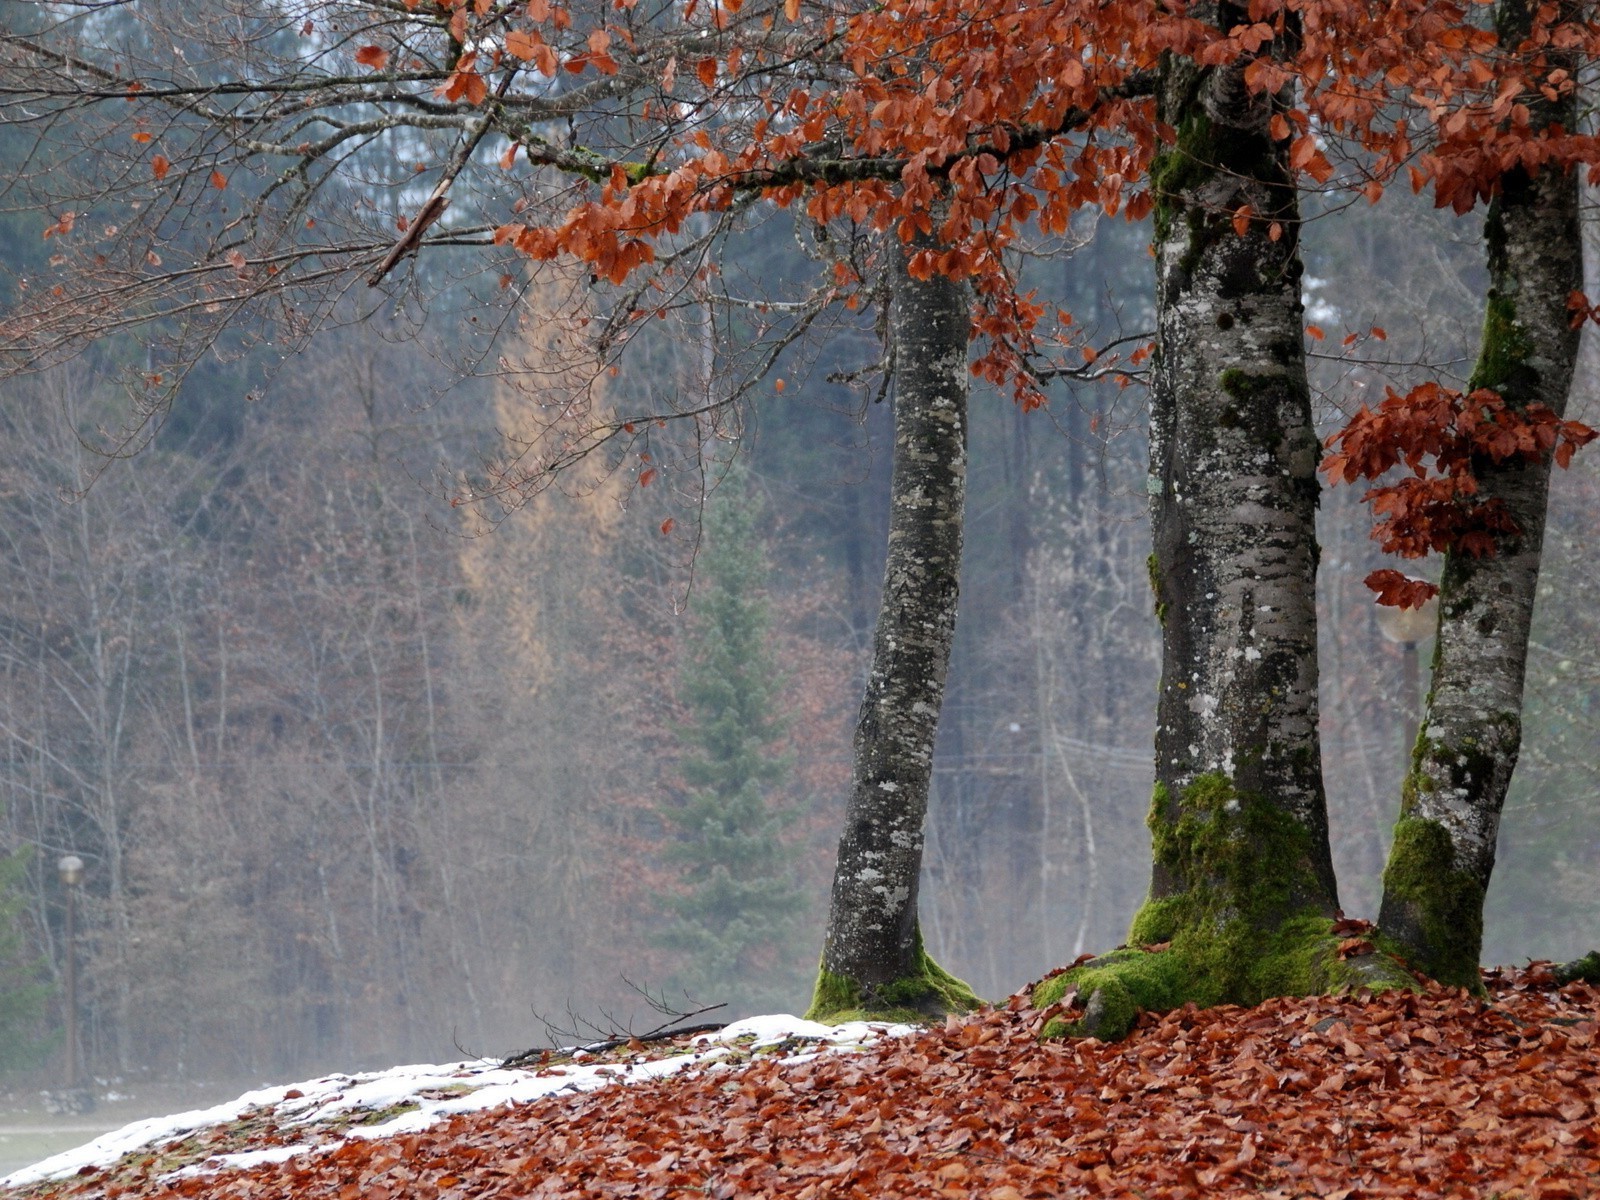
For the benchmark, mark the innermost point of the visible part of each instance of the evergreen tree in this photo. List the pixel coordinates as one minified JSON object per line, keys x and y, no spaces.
{"x":23,"y":994}
{"x":735,"y":920}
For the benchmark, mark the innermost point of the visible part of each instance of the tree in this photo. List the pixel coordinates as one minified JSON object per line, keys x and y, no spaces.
{"x":1508,"y":432}
{"x":1242,"y":890}
{"x":873,"y":957}
{"x":739,"y":911}
{"x":1445,"y":840}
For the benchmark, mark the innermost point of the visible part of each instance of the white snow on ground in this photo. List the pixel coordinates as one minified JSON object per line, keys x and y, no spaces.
{"x":453,"y":1088}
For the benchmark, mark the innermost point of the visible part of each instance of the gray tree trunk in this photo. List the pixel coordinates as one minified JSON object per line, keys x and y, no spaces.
{"x":1444,"y":843}
{"x":1233,"y":502}
{"x":872,"y":959}
{"x":1242,"y":892}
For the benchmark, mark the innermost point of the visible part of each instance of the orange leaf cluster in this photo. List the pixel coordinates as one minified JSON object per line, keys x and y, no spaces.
{"x":464,"y":82}
{"x":1441,"y":436}
{"x":1432,"y":1094}
{"x":1398,"y":590}
{"x":974,"y":121}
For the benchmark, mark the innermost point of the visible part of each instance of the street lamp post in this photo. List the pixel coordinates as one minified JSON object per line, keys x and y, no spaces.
{"x":70,"y":868}
{"x":1409,"y":627}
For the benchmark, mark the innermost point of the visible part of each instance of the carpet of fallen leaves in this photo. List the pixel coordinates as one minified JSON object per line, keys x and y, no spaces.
{"x":1430,"y":1094}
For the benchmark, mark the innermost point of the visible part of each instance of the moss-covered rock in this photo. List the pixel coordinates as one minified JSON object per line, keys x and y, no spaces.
{"x":1302,"y":958}
{"x":924,"y":993}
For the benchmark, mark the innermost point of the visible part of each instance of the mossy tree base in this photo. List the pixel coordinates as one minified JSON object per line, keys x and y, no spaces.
{"x":928,"y":992}
{"x":1302,"y":958}
{"x":872,"y":960}
{"x":1585,"y":969}
{"x":1242,"y":916}
{"x":1431,"y":905}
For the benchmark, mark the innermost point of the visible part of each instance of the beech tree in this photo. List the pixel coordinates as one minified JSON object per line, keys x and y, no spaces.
{"x":1243,"y":902}
{"x":1482,"y":501}
{"x":1243,"y":888}
{"x":873,"y":957}
{"x":1444,"y":842}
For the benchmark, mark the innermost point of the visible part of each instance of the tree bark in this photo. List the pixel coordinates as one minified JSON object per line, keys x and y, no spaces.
{"x":873,"y":960}
{"x":1444,"y":843}
{"x":1242,"y":894}
{"x":1233,"y":481}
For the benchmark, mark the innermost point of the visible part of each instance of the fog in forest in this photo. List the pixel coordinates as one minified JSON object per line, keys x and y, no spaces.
{"x":362,"y":774}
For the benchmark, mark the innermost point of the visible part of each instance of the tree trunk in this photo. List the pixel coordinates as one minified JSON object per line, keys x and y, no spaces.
{"x":1242,"y":893}
{"x":872,"y":959}
{"x":1444,"y":843}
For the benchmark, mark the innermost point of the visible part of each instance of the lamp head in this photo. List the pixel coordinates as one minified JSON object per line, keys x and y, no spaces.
{"x":1408,"y":626}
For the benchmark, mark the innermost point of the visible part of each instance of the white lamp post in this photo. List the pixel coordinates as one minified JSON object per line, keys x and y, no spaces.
{"x":1409,"y":627}
{"x":70,"y":869}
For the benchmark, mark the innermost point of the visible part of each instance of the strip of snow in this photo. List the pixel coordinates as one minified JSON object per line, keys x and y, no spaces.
{"x":455,"y":1087}
{"x":246,"y":1158}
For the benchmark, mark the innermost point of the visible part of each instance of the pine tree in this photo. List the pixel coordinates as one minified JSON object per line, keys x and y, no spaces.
{"x":735,"y":922}
{"x":23,"y":993}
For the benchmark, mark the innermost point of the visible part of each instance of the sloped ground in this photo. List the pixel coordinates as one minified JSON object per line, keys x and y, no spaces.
{"x":1423,"y":1095}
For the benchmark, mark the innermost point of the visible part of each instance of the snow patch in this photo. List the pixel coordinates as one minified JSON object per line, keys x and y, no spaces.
{"x":438,"y":1091}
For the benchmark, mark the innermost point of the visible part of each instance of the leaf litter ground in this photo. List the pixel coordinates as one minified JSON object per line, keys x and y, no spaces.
{"x":1436,"y":1093}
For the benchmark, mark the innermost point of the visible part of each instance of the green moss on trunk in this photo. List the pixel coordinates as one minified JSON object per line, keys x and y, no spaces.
{"x":1431,"y":907}
{"x":1236,"y":857}
{"x":927,"y":991}
{"x":1244,"y":922}
{"x":1154,"y":565}
{"x":1300,"y":958}
{"x":1180,"y":168}
{"x":1504,"y":354}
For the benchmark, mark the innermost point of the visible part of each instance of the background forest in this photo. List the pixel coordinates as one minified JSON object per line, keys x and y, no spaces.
{"x":361,"y":775}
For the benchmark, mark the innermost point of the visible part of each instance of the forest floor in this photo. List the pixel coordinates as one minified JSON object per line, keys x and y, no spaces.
{"x":1435,"y":1093}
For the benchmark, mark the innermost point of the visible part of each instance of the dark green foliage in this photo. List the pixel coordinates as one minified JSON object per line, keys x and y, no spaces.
{"x":737,"y":918}
{"x":23,"y":994}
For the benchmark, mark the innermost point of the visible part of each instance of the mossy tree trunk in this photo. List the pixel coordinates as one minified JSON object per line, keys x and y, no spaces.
{"x":1242,"y":893}
{"x":1233,"y":479}
{"x":1444,"y":843}
{"x":873,"y":960}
